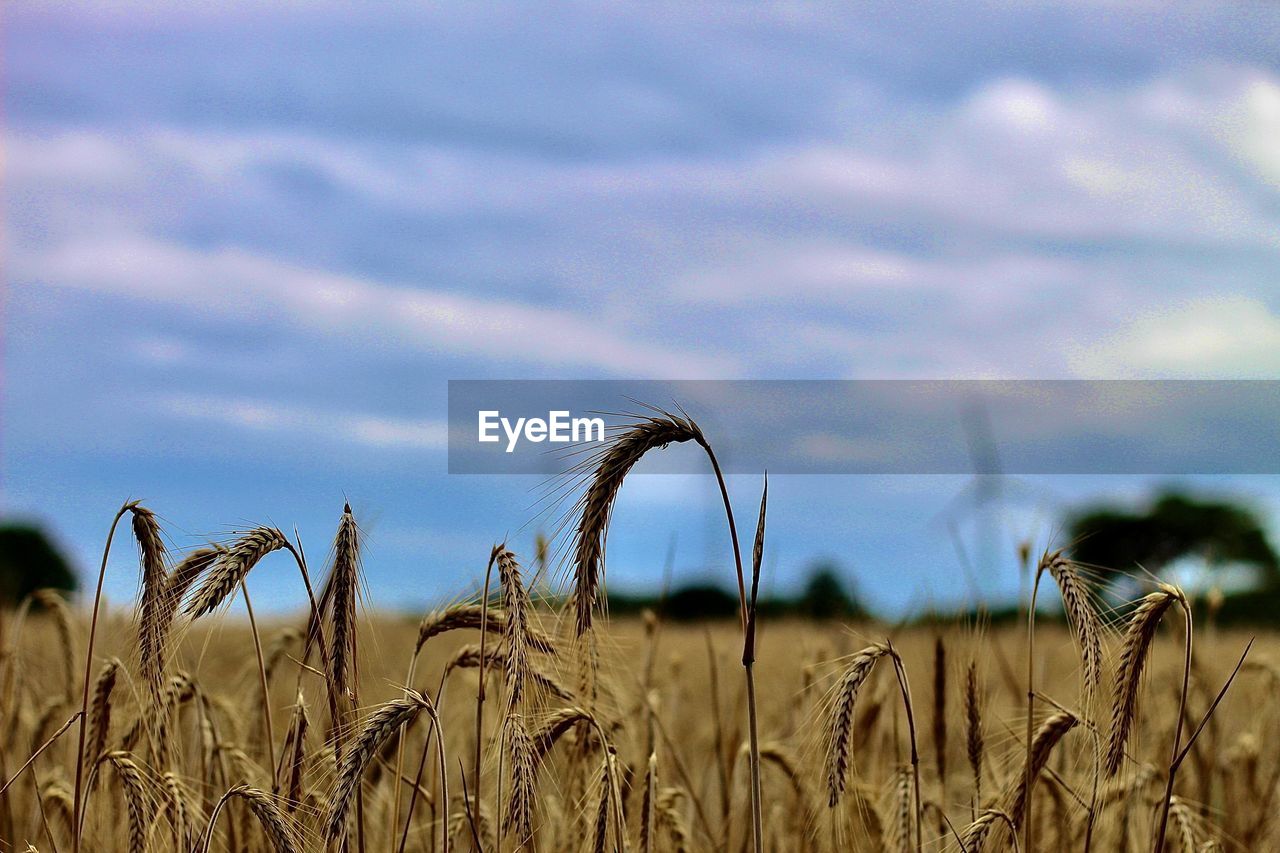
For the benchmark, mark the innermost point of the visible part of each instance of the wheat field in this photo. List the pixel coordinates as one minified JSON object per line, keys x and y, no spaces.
{"x":523,"y":717}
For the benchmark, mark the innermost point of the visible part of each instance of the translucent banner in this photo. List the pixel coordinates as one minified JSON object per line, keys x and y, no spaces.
{"x":1153,"y":427}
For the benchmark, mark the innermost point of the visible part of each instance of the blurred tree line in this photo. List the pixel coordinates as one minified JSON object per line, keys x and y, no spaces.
{"x":826,"y":594}
{"x":1119,"y":544}
{"x":1116,"y":541}
{"x":29,"y":561}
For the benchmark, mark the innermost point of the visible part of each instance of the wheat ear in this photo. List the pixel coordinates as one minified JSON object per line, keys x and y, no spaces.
{"x":273,"y":822}
{"x":515,"y":601}
{"x":131,"y":782}
{"x":1138,"y":636}
{"x":523,"y":796}
{"x":1047,"y":736}
{"x":378,"y":727}
{"x":146,"y":529}
{"x":100,"y":709}
{"x":56,"y":605}
{"x":230,"y":568}
{"x":345,"y":577}
{"x":973,"y":727}
{"x":840,"y":718}
{"x":471,"y":617}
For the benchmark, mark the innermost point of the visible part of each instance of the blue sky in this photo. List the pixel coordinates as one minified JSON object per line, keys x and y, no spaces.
{"x":247,"y":244}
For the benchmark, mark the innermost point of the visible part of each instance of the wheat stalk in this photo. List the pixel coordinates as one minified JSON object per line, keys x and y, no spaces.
{"x":178,"y":799}
{"x":468,"y":657}
{"x":56,"y":605}
{"x":975,"y":834}
{"x":471,"y":617}
{"x":295,"y":752}
{"x":939,"y":729}
{"x":515,"y":601}
{"x":1082,"y":617}
{"x":669,"y":816}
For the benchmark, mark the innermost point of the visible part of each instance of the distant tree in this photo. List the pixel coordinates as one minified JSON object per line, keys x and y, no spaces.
{"x":700,"y":601}
{"x":825,"y":596}
{"x":1176,"y":525}
{"x":30,"y":561}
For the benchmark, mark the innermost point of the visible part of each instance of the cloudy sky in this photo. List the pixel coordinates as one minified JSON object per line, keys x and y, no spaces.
{"x":247,"y":244}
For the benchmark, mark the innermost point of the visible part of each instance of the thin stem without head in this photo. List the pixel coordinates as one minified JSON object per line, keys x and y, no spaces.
{"x":1175,"y":757}
{"x":484,"y":625}
{"x":901,"y":673}
{"x":266,"y":692}
{"x":88,"y":674}
{"x":757,"y":824}
{"x":1027,"y":837}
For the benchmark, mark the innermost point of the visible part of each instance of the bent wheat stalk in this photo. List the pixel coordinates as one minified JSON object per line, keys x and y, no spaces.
{"x":612,"y":464}
{"x":1138,"y":638}
{"x":1086,"y":630}
{"x":380,"y":726}
{"x":274,"y":824}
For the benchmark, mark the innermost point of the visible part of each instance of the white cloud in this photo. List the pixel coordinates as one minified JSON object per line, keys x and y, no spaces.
{"x":1032,"y":212}
{"x":1229,"y":337}
{"x":1253,"y":127}
{"x":239,"y":286}
{"x":370,"y":430}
